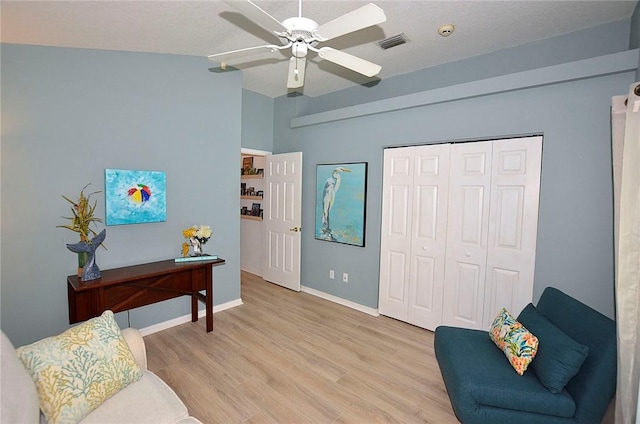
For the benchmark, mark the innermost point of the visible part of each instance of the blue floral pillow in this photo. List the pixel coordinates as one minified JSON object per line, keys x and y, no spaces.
{"x":79,"y":369}
{"x":517,"y":343}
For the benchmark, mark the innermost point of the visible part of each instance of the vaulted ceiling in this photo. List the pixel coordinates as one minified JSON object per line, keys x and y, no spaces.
{"x":202,"y":28}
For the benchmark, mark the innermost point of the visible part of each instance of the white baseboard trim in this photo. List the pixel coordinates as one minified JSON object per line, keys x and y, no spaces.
{"x":340,"y":301}
{"x":250,"y":270}
{"x":187,"y":318}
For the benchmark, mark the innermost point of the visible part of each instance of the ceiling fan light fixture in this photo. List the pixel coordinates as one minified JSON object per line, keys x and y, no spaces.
{"x":299,"y":49}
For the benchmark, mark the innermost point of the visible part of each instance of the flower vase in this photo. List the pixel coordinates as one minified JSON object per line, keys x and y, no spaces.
{"x":198,"y":247}
{"x":83,"y":257}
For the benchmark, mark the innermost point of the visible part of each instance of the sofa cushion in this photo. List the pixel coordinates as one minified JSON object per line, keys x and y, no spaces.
{"x":149,"y":400}
{"x":483,"y":383}
{"x":79,"y":369}
{"x":559,"y":357}
{"x":595,"y":384}
{"x":517,"y":343}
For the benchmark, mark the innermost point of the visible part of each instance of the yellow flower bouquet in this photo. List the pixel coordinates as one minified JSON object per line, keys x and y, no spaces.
{"x":197,"y":235}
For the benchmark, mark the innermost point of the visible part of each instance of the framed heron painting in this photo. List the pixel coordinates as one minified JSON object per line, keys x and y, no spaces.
{"x":135,"y":197}
{"x":341,"y":198}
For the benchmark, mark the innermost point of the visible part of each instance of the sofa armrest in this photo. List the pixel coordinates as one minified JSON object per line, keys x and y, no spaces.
{"x":18,"y":396}
{"x":135,"y":341}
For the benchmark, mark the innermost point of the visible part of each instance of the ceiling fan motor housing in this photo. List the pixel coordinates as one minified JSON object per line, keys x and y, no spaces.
{"x":301,"y":29}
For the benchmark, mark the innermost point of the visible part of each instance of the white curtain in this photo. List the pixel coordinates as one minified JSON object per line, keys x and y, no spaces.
{"x":626,"y":176}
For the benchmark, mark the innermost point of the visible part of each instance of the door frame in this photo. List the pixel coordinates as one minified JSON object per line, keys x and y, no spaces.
{"x":261,"y":153}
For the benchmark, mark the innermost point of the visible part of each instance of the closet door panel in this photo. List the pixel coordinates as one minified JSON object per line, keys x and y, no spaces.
{"x":513,"y":227}
{"x":397,"y":265}
{"x":468,"y":279}
{"x":428,"y":244}
{"x":502,"y":292}
{"x":397,"y":228}
{"x":466,"y":254}
{"x":459,"y":227}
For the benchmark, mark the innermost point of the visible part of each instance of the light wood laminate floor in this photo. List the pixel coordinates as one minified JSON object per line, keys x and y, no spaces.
{"x":287,"y":357}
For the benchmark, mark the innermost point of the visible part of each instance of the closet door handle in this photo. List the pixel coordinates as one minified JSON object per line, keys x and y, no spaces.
{"x":295,"y":229}
{"x":468,"y":254}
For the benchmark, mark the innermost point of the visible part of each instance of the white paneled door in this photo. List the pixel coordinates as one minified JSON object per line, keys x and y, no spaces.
{"x":397,"y":230}
{"x":459,"y":226}
{"x":467,"y":228}
{"x":513,"y":225}
{"x":282,"y":219}
{"x":414,"y":221}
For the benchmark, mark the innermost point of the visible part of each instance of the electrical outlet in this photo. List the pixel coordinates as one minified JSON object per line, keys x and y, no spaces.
{"x":331,"y":274}
{"x":345,"y":277}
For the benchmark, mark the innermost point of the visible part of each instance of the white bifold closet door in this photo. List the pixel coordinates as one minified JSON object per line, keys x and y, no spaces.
{"x":459,"y":225}
{"x":414,"y":228}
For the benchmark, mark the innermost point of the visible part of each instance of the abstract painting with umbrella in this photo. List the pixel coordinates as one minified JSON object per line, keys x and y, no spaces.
{"x":135,"y":197}
{"x":340,"y":202}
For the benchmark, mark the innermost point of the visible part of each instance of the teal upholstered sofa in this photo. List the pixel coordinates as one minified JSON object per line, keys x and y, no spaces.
{"x":484,"y":388}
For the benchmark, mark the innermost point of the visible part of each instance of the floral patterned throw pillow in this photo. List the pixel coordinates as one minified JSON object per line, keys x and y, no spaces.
{"x":79,"y":369}
{"x":517,"y":343}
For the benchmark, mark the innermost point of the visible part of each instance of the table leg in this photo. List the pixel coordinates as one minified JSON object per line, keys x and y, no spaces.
{"x":209,"y":299}
{"x":194,"y":309}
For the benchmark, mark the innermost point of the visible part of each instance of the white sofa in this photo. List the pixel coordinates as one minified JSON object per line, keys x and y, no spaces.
{"x":148,"y":400}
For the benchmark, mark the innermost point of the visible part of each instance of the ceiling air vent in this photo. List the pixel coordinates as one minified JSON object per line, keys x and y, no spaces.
{"x":393,"y":41}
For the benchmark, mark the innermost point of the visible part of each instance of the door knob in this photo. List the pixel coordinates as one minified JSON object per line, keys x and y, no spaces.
{"x":468,"y":255}
{"x":295,"y":229}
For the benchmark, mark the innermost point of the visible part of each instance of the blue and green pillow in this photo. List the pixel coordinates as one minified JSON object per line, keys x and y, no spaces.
{"x":79,"y":369}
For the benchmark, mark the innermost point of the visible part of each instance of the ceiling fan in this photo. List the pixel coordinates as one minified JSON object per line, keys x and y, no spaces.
{"x":302,"y":35}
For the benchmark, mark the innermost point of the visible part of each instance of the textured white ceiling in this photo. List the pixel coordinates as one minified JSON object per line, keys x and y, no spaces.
{"x":205,"y":27}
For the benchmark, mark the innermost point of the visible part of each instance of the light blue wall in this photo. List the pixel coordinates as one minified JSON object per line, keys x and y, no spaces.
{"x":257,"y":121}
{"x":634,"y":38}
{"x":596,"y":41}
{"x":67,"y":114}
{"x":574,"y":251}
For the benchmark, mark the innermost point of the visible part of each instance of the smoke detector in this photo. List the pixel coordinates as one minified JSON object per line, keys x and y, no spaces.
{"x":446,"y":30}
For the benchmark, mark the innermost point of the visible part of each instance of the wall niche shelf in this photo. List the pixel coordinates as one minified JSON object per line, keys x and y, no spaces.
{"x":252,"y":182}
{"x":251,"y":217}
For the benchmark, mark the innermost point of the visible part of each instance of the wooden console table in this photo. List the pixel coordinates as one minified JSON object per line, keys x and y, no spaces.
{"x":120,"y":289}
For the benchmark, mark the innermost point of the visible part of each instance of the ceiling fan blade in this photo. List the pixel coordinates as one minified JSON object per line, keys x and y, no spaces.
{"x":233,"y":54}
{"x":358,"y":19}
{"x":259,"y":16}
{"x":297,"y":66}
{"x":349,"y":61}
